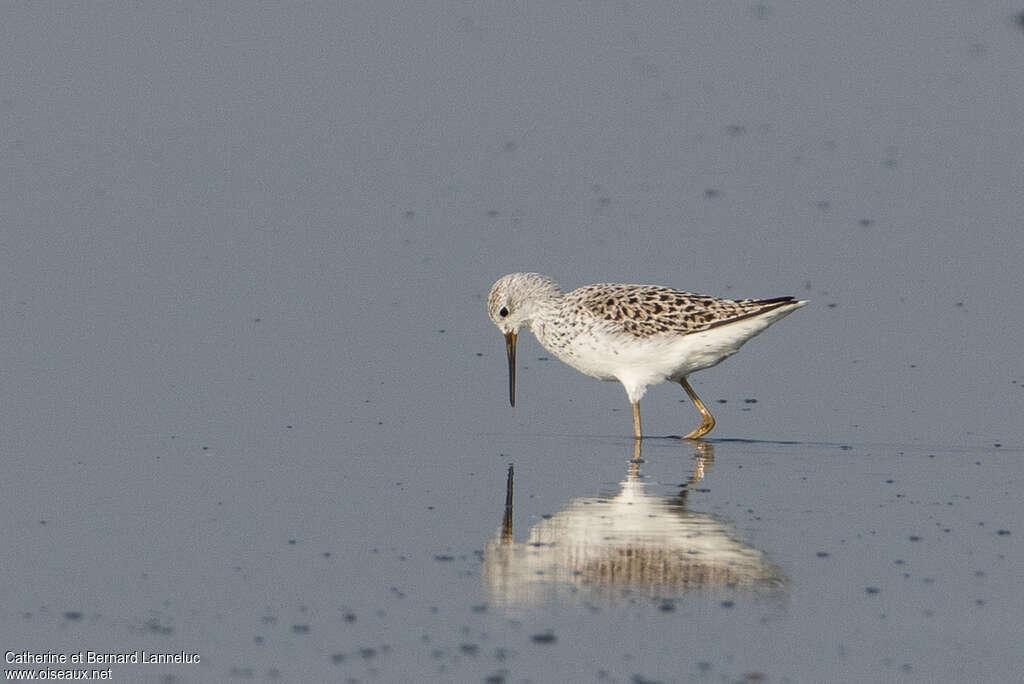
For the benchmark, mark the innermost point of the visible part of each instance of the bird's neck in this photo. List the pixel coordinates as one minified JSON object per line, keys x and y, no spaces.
{"x":543,"y":322}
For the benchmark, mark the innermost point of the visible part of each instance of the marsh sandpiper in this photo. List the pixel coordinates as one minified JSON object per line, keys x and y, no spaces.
{"x":640,"y":335}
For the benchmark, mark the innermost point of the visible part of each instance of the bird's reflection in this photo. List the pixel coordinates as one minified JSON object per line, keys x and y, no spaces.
{"x":624,"y":544}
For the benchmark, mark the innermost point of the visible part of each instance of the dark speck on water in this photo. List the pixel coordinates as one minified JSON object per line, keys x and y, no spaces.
{"x":544,"y":638}
{"x":154,"y":626}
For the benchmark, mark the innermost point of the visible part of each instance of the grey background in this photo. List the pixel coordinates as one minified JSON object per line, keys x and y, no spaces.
{"x":249,"y":383}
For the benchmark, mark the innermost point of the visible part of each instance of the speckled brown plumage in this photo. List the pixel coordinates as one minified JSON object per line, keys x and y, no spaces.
{"x":645,"y":310}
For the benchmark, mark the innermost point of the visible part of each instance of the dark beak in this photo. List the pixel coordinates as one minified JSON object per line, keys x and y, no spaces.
{"x":510,"y":347}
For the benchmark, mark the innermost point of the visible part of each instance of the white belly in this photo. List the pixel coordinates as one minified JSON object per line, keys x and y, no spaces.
{"x":638,"y":362}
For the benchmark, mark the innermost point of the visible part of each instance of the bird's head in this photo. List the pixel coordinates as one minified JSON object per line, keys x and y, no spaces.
{"x":512,"y":304}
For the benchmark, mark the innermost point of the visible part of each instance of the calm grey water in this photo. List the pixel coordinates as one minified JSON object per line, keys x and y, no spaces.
{"x":253,"y":408}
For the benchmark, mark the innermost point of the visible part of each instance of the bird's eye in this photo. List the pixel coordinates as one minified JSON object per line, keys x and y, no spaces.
{"x":503,"y":312}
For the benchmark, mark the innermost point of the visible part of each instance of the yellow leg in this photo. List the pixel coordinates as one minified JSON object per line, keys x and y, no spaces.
{"x":707,"y":422}
{"x":636,"y":421}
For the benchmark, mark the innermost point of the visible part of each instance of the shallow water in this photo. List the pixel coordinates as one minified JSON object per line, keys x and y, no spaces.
{"x":711,"y":562}
{"x":254,"y":409}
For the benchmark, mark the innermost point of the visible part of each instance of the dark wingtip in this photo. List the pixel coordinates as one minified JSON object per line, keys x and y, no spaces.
{"x":764,"y":306}
{"x":777,"y":300}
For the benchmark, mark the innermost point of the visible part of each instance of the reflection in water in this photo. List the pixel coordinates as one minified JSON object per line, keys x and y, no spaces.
{"x":625,"y":544}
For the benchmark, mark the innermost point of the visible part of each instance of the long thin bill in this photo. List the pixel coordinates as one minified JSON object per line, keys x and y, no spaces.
{"x":510,"y":347}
